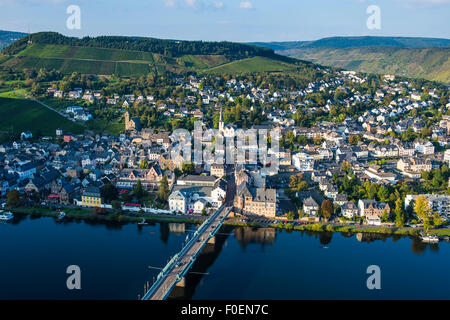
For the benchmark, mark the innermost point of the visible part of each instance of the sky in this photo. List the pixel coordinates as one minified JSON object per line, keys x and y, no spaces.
{"x":230,"y":20}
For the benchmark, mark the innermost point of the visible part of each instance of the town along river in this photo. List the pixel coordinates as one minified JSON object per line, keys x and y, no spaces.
{"x":244,"y":263}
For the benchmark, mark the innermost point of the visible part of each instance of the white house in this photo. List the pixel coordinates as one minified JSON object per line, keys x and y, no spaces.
{"x":424,"y":147}
{"x":303,"y":161}
{"x":178,"y":202}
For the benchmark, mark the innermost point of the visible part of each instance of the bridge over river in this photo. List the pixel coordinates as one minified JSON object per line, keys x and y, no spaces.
{"x":174,"y":272}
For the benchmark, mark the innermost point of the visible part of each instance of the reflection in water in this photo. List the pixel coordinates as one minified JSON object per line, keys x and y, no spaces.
{"x":134,"y":248}
{"x":200,"y":267}
{"x":164,"y":232}
{"x":419,"y":247}
{"x":247,"y":235}
{"x":177,"y":228}
{"x":325,"y":237}
{"x":369,"y":237}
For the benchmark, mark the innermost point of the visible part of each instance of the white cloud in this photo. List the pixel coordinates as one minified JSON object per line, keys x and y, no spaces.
{"x":425,"y":1}
{"x":246,"y":5}
{"x":170,"y":3}
{"x":30,"y":2}
{"x":218,"y":4}
{"x":195,"y":4}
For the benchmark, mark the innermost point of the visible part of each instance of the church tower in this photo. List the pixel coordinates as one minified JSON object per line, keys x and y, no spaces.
{"x":221,"y":123}
{"x":127,"y":121}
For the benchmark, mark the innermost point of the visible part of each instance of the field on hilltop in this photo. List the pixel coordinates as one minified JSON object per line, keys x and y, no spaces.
{"x":131,"y":56}
{"x":20,"y":115}
{"x":256,"y":64}
{"x":83,"y":60}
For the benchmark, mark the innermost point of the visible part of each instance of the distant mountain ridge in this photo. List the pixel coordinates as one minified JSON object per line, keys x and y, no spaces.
{"x":427,"y":58}
{"x":357,"y":42}
{"x":8,"y":37}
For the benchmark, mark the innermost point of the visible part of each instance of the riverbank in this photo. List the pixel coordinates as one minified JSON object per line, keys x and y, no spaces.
{"x":363,"y":229}
{"x":88,"y":214}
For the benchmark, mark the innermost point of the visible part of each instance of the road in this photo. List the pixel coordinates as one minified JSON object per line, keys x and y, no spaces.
{"x":178,"y":265}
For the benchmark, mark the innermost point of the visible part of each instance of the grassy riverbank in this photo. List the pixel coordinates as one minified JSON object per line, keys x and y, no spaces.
{"x":123,"y":217}
{"x":89,"y":215}
{"x":352,"y":229}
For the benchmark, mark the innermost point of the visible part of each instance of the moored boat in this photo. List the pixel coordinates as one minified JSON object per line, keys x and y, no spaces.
{"x":61,"y":215}
{"x":429,"y":238}
{"x":142,"y":223}
{"x":6,"y":216}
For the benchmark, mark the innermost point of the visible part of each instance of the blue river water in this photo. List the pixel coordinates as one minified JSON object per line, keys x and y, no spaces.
{"x":244,"y":263}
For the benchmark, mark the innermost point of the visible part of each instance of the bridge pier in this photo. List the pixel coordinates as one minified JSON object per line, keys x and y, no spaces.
{"x":181,"y":283}
{"x":212,"y":240}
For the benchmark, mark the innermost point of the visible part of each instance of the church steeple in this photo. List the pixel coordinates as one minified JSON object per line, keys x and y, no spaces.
{"x":221,"y":123}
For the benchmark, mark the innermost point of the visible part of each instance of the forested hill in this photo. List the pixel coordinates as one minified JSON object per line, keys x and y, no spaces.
{"x":427,"y":58}
{"x":358,"y":42}
{"x":171,"y":48}
{"x":8,"y":37}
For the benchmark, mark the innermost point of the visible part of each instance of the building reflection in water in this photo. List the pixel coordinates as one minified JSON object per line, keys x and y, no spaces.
{"x":177,"y":228}
{"x":247,"y":235}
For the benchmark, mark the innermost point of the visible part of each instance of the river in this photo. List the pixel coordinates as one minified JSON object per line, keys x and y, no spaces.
{"x":244,"y":263}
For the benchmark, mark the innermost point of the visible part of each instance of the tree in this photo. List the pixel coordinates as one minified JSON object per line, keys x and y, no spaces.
{"x":139,"y":191}
{"x":188,"y":168}
{"x":385,"y":216}
{"x":295,"y":180}
{"x":13,"y":197}
{"x":116,"y":205}
{"x":383,"y":193}
{"x":423,"y":211}
{"x":326,"y":209}
{"x":398,"y":212}
{"x":109,"y":192}
{"x":291,"y":215}
{"x":163,"y":192}
{"x":437,"y":219}
{"x":143,"y":164}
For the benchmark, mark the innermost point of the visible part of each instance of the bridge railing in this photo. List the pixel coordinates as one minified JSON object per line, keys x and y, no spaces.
{"x":160,"y":278}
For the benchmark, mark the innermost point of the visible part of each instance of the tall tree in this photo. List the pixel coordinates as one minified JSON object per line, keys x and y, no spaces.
{"x":423,"y":211}
{"x":326,"y":209}
{"x":13,"y":197}
{"x":139,"y":191}
{"x":109,"y":192}
{"x":398,"y":212}
{"x":163,"y":192}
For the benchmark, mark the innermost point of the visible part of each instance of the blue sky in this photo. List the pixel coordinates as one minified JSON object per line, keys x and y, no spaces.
{"x":233,"y":20}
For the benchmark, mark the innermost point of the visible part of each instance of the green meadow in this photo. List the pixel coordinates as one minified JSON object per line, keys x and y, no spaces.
{"x":255,"y":64}
{"x":21,"y":115}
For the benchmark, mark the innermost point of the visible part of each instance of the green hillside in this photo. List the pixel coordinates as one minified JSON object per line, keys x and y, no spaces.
{"x":413,"y":57}
{"x":131,"y":58}
{"x":104,"y":61}
{"x":427,"y":63}
{"x":22,"y":115}
{"x":256,"y":64}
{"x":82,"y":60}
